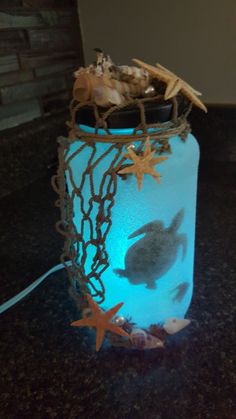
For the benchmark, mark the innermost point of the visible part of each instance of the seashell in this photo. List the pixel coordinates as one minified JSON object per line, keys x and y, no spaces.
{"x":153,"y":342}
{"x":143,"y":340}
{"x":104,"y":90}
{"x":133,"y":75}
{"x":106,"y":96}
{"x":174,"y":325}
{"x":138,"y":338}
{"x":84,"y":85}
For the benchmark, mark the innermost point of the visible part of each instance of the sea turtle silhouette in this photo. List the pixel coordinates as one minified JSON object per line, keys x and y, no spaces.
{"x":154,"y":254}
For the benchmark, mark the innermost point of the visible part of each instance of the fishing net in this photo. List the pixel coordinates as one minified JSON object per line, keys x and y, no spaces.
{"x":96,"y":213}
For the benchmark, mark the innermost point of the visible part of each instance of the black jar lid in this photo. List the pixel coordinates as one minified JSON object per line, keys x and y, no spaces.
{"x":156,"y":112}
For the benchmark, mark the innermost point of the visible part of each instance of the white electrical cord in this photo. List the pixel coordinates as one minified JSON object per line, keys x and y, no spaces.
{"x":18,"y":297}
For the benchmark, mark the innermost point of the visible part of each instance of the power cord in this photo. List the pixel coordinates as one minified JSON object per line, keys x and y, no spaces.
{"x":18,"y":297}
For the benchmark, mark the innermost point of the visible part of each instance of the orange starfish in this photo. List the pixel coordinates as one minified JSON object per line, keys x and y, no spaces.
{"x":143,"y":164}
{"x":174,"y":83}
{"x":101,"y":321}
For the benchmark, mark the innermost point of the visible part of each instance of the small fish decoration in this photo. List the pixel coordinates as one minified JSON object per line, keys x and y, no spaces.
{"x":180,"y":292}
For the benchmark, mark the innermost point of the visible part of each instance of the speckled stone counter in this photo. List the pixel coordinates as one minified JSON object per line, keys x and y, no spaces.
{"x":50,"y":370}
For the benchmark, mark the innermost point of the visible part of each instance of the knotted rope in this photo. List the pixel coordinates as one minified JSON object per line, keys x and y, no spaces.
{"x":94,"y":229}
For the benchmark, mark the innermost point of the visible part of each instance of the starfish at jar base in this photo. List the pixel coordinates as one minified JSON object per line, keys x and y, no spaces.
{"x":101,"y":321}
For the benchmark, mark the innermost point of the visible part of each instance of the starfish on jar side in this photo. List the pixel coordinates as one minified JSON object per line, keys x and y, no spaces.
{"x":100,"y":320}
{"x":174,"y":83}
{"x":143,"y":164}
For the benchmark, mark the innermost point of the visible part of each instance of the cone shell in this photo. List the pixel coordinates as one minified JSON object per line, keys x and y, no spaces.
{"x":174,"y":325}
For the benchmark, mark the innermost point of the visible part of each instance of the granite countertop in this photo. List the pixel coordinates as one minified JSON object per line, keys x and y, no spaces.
{"x":50,"y":370}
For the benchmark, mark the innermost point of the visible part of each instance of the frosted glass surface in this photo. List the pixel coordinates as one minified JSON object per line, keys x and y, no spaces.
{"x":157,"y":280}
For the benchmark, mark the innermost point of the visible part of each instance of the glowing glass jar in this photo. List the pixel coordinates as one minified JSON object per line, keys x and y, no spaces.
{"x":151,"y":240}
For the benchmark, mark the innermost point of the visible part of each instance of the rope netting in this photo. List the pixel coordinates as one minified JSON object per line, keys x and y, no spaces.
{"x":92,"y":205}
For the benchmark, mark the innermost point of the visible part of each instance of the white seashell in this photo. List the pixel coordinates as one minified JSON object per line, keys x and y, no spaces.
{"x":105,"y":96}
{"x":153,"y":342}
{"x":115,"y":97}
{"x":174,"y":325}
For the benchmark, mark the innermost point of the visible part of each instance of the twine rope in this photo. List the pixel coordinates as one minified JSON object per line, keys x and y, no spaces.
{"x":77,"y":245}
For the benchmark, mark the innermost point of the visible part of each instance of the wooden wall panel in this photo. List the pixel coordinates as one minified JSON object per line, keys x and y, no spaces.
{"x":41,"y":18}
{"x":36,"y":60}
{"x":48,"y":3}
{"x":8,"y":63}
{"x":32,"y":89}
{"x":7,"y":79}
{"x":59,"y":67}
{"x":40,"y":48}
{"x":18,"y":113}
{"x":50,"y":38}
{"x":13,"y":40}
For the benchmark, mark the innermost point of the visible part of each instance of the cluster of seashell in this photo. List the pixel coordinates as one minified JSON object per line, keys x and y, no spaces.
{"x":107,"y":84}
{"x":154,"y":337}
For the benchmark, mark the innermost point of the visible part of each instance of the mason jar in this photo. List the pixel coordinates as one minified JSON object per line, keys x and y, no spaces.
{"x":149,"y":232}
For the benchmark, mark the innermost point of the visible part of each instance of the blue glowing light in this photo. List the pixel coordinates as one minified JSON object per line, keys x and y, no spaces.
{"x":164,"y":252}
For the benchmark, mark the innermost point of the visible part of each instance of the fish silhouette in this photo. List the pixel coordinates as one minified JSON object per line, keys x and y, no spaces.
{"x":153,"y":255}
{"x":180,"y":292}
